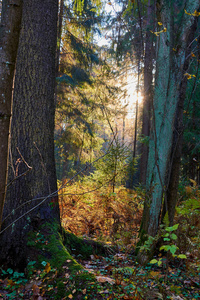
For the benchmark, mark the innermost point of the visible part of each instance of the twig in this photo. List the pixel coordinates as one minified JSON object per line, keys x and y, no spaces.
{"x":23,"y":174}
{"x":52,"y":194}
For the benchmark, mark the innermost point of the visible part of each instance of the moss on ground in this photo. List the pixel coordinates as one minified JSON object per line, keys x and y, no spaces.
{"x":81,"y":247}
{"x":61,"y":274}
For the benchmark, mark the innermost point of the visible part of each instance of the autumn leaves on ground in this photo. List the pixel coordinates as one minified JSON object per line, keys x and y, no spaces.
{"x":100,"y":231}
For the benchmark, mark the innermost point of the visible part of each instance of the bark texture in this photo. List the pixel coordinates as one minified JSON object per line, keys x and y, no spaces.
{"x":169,"y":70}
{"x":176,"y":151}
{"x":9,"y":38}
{"x":32,"y":165}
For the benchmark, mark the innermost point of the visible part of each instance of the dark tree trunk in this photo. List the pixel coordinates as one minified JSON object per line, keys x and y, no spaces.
{"x":32,"y":131}
{"x":9,"y":38}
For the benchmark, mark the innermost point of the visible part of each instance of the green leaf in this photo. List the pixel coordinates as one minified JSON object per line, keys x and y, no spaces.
{"x":174,"y":236}
{"x":173,"y":249}
{"x":165,"y":247}
{"x":153,"y":261}
{"x":166,"y":235}
{"x":166,"y":239}
{"x":182,"y":256}
{"x":173,"y":228}
{"x":159,"y":262}
{"x":93,"y":9}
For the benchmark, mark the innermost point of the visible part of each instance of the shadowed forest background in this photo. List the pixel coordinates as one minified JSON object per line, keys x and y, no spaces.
{"x":100,"y":149}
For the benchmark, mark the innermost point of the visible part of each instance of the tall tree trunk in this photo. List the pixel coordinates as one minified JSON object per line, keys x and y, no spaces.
{"x":176,"y":151}
{"x":32,"y":131}
{"x":148,"y":94}
{"x":9,"y":38}
{"x":59,"y":35}
{"x":168,"y":77}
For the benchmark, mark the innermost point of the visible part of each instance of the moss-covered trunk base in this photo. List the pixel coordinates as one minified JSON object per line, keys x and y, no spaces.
{"x":52,"y":271}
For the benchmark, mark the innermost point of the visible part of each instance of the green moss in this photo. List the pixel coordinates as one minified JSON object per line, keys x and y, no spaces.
{"x":76,"y":245}
{"x":46,"y":246}
{"x":49,"y":247}
{"x":61,"y":290}
{"x":82,"y":247}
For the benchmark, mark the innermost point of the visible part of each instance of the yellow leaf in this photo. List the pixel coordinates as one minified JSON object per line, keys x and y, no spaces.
{"x":10,"y":282}
{"x":192,"y":54}
{"x":156,"y":33}
{"x":160,"y":23}
{"x":70,"y":296}
{"x":188,"y":75}
{"x":196,"y":14}
{"x":194,"y":182}
{"x":187,"y":12}
{"x":109,"y":3}
{"x":47,"y":268}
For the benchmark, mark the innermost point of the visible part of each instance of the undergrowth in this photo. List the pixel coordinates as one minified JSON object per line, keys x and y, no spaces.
{"x":92,"y":257}
{"x":102,"y":215}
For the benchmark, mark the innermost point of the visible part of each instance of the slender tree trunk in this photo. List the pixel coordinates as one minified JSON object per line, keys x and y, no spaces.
{"x":9,"y":38}
{"x":59,"y":35}
{"x":32,"y":131}
{"x":148,"y":94}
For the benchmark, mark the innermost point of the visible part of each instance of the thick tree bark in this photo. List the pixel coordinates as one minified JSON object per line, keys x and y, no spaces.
{"x":32,"y":131}
{"x":168,"y":77}
{"x":9,"y":38}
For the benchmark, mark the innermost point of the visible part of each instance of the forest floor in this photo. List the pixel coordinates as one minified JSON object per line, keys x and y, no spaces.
{"x":88,"y":270}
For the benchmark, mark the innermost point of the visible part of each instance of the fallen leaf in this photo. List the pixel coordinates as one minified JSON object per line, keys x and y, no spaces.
{"x":70,"y":296}
{"x":10,"y":282}
{"x":36,"y":293}
{"x":84,"y":291}
{"x":47,"y":268}
{"x":117,"y":281}
{"x":103,"y":279}
{"x":155,"y":274}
